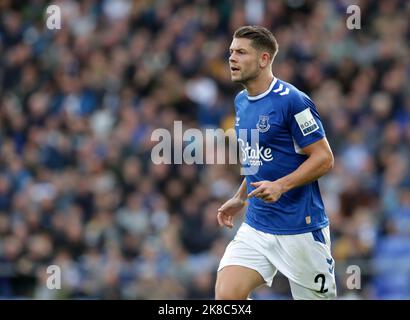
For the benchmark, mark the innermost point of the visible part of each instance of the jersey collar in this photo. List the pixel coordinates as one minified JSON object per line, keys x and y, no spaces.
{"x":261,"y":95}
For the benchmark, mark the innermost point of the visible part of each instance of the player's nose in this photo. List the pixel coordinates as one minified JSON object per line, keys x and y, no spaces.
{"x":232,"y":58}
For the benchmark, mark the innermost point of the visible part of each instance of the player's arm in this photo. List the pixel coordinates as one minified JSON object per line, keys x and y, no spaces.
{"x":320,"y":160}
{"x":233,"y":206}
{"x":241,"y":193}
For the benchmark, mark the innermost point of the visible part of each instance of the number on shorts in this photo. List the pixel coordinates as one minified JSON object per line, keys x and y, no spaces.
{"x":321,"y":276}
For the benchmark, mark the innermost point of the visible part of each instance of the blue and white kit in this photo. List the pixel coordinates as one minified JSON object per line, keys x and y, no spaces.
{"x":292,"y":234}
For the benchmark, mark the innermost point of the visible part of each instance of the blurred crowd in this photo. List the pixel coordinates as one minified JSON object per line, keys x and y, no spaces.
{"x":78,"y":105}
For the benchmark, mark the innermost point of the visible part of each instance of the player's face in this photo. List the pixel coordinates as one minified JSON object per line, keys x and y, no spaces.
{"x":243,"y":61}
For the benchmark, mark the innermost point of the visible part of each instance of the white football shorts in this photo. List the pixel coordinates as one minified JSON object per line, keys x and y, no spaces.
{"x":305,"y":259}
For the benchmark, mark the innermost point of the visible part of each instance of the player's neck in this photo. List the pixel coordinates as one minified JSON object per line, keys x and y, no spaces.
{"x":259,"y":85}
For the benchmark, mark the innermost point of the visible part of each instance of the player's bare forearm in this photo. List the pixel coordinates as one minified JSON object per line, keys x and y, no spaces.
{"x":242,"y":191}
{"x":232,"y":207}
{"x":320,"y":160}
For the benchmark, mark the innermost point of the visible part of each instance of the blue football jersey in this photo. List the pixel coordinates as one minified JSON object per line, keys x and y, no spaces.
{"x":286,"y":120}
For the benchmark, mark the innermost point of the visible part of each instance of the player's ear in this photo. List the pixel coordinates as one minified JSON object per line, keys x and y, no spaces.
{"x":264,"y":59}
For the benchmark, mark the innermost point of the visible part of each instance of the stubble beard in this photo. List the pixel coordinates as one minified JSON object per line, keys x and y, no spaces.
{"x":244,"y":80}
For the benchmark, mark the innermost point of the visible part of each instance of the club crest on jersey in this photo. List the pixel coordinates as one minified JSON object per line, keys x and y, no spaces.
{"x":263,"y":124}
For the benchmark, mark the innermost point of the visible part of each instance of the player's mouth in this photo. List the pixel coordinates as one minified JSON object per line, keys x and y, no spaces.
{"x":233,"y":69}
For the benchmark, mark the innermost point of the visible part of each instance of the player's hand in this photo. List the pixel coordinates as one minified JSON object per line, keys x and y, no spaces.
{"x":228,"y":210}
{"x":268,"y":191}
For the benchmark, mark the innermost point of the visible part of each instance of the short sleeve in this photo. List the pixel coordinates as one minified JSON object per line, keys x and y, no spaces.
{"x":304,"y":121}
{"x":236,"y":100}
